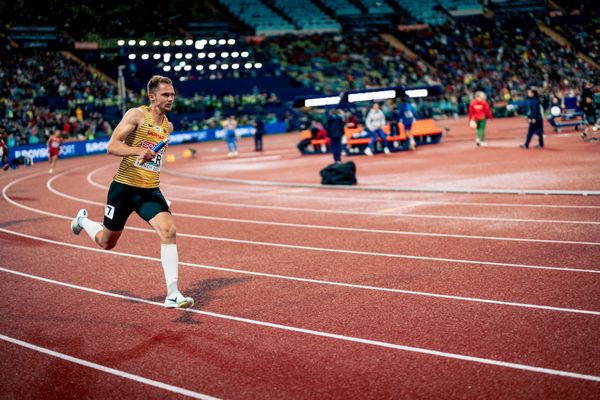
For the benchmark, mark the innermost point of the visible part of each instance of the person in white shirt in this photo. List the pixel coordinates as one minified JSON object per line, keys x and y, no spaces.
{"x":375,"y":122}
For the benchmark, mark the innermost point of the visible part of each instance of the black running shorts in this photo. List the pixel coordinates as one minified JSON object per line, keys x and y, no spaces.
{"x":124,"y":199}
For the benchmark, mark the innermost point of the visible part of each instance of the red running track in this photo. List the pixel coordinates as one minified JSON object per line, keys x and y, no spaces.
{"x":305,"y":291}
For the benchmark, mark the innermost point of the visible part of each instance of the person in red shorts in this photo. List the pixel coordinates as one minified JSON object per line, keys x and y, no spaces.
{"x":54,"y":143}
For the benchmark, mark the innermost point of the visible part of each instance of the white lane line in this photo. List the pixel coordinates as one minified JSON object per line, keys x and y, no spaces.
{"x":336,"y":228}
{"x":343,"y":212}
{"x":306,"y":280}
{"x":103,"y":368}
{"x":279,"y":193}
{"x":412,"y":349}
{"x":342,"y":251}
{"x":310,"y":248}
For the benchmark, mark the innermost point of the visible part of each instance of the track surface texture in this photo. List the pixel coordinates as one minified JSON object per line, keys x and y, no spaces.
{"x":451,"y":272}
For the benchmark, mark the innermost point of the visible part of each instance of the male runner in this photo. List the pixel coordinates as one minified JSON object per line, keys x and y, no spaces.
{"x":135,"y":186}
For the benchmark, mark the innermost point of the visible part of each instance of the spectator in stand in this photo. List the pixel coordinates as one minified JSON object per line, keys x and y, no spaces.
{"x":535,"y":115}
{"x":479,"y":112}
{"x":54,"y":144}
{"x":375,"y":122}
{"x":335,"y":132}
{"x":408,"y":113}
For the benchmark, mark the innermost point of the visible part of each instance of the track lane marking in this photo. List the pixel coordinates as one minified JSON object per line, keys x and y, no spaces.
{"x":108,"y":370}
{"x":323,"y":227}
{"x":295,"y":209}
{"x":307,"y":280}
{"x":352,"y":339}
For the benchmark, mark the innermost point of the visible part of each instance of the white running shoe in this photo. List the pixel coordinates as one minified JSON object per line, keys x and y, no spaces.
{"x":483,"y":144}
{"x":368,"y":151}
{"x":178,"y":301}
{"x":75,"y":226}
{"x":386,"y":150}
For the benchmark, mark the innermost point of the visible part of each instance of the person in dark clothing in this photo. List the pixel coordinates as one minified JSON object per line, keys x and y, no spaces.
{"x":589,"y":115}
{"x":259,"y":125}
{"x":536,"y":119}
{"x":317,"y":131}
{"x":335,"y":132}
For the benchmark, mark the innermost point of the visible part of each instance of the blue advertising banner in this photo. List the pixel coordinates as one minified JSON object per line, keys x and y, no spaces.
{"x":39,"y":152}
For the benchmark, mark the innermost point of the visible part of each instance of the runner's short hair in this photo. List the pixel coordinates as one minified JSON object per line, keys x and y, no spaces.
{"x":155,"y":81}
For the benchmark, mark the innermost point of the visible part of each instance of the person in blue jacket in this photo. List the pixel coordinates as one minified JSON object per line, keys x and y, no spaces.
{"x":408,"y":113}
{"x":535,"y":114}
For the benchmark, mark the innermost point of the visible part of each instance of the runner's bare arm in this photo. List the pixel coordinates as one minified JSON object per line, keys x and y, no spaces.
{"x":116,"y":145}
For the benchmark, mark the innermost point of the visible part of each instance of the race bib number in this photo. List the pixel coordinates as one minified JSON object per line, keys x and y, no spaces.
{"x":154,"y":164}
{"x":408,"y":114}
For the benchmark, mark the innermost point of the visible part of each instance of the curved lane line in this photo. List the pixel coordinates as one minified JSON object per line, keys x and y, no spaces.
{"x":306,"y":280}
{"x":336,"y":228}
{"x":103,"y":368}
{"x":352,"y":339}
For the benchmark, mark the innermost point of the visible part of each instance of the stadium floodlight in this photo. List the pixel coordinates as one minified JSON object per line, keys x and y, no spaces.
{"x":417,"y":93}
{"x":224,"y":54}
{"x":166,"y":43}
{"x":178,"y":55}
{"x":142,"y":42}
{"x":189,"y":42}
{"x":211,"y":55}
{"x":166,"y":57}
{"x":177,"y":68}
{"x":199,"y":67}
{"x":258,"y":65}
{"x":235,"y":54}
{"x":245,"y":54}
{"x":156,"y":56}
{"x":201,"y":55}
{"x":231,"y":42}
{"x":132,"y":56}
{"x":224,"y":66}
{"x":120,"y":42}
{"x":212,"y":42}
{"x":131,"y":42}
{"x":199,"y":45}
{"x":222,"y":42}
{"x":248,"y":65}
{"x":156,"y":43}
{"x":188,"y":56}
{"x":178,"y":42}
{"x":145,"y":56}
{"x":182,"y":63}
{"x":235,"y":66}
{"x":187,"y":68}
{"x":322,"y":101}
{"x":212,"y":67}
{"x":167,"y":68}
{"x":370,"y":96}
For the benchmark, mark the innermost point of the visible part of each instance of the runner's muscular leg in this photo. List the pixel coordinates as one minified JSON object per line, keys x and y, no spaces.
{"x":164,"y":224}
{"x":107,"y":239}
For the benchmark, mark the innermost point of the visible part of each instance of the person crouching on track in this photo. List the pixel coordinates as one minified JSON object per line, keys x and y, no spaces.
{"x":375,"y":122}
{"x":135,"y":186}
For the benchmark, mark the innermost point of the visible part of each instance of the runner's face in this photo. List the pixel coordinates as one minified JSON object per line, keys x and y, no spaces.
{"x":164,"y":97}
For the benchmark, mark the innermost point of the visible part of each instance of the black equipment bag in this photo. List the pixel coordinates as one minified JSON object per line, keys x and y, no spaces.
{"x":339,"y":174}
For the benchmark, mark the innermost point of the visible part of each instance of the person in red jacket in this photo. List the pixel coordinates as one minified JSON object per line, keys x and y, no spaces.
{"x":479,"y":112}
